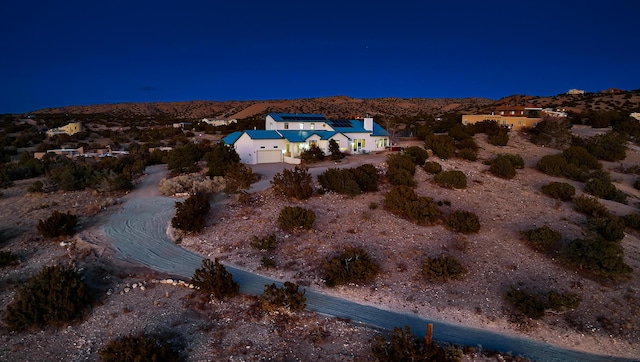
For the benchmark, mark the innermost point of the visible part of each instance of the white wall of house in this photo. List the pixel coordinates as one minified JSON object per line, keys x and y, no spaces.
{"x":364,"y":143}
{"x":248,"y":148}
{"x":271,"y":124}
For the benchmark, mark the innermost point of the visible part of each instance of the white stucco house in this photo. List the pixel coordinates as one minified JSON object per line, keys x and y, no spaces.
{"x":286,"y":136}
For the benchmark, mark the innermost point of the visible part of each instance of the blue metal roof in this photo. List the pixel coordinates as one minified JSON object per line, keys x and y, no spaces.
{"x":350,"y":126}
{"x":303,"y":136}
{"x":379,"y":131}
{"x":303,"y":117}
{"x":263,"y":135}
{"x":232,"y":138}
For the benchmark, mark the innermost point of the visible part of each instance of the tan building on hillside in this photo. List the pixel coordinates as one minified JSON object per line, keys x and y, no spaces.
{"x":70,"y":129}
{"x":514,"y":117}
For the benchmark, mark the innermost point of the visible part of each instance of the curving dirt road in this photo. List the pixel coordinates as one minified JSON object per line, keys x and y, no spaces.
{"x":137,"y":233}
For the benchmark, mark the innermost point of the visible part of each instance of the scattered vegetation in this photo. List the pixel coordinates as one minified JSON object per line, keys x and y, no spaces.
{"x":443,"y":268}
{"x":534,"y":306}
{"x":442,"y":146}
{"x":312,"y":154}
{"x":596,"y":255}
{"x":352,"y":266}
{"x":432,"y":167}
{"x":559,"y":190}
{"x":400,"y":170}
{"x":543,"y":238}
{"x":138,"y":348}
{"x":334,"y":148}
{"x":58,"y":224}
{"x":296,"y":217}
{"x":288,"y":297}
{"x":55,"y":296}
{"x":504,"y":165}
{"x":417,"y":154}
{"x":404,"y":201}
{"x":590,"y":206}
{"x":268,"y":242}
{"x":213,"y":279}
{"x":238,"y":177}
{"x":632,"y":221}
{"x":451,"y":179}
{"x":462,"y":221}
{"x":404,"y":346}
{"x":8,"y":258}
{"x":294,"y":183}
{"x":191,"y":214}
{"x":350,"y":181}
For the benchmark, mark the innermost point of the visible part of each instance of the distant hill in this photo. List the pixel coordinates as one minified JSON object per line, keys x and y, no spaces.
{"x":343,"y":106}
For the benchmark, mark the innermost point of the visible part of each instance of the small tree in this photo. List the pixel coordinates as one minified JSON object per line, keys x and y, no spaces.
{"x":220,"y":158}
{"x":432,"y":167}
{"x":451,"y":179}
{"x":293,"y":183}
{"x":559,"y":190}
{"x":590,"y":206}
{"x":418,"y":154}
{"x":442,"y":145}
{"x":443,"y":268}
{"x":238,"y":177}
{"x":462,"y":221}
{"x":543,"y":238}
{"x":404,"y":346}
{"x":58,"y":224}
{"x":55,"y":296}
{"x":288,"y":297}
{"x":8,"y":258}
{"x":312,"y":154}
{"x":266,"y":243}
{"x":214,"y":279}
{"x":296,"y":217}
{"x":334,"y":148}
{"x":191,"y":214}
{"x":353,"y":265}
{"x":138,"y":348}
{"x":400,"y":169}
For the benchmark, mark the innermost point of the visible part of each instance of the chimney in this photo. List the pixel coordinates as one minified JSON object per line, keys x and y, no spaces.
{"x":368,"y":124}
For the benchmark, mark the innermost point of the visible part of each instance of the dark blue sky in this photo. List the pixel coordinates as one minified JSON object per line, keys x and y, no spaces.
{"x":84,"y":52}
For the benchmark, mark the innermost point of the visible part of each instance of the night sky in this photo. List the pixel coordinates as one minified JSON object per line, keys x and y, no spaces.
{"x":91,"y":52}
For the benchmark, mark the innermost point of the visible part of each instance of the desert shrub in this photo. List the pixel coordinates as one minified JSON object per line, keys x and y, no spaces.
{"x":461,"y":243}
{"x":238,"y":177}
{"x":451,"y":179}
{"x":214,"y":279}
{"x":296,"y":217}
{"x":417,"y":154}
{"x":502,"y":167}
{"x":551,"y":132}
{"x":468,"y":154}
{"x":632,"y":221}
{"x":353,"y":265}
{"x":400,"y":169}
{"x":442,"y":146}
{"x":8,"y":258}
{"x":443,"y":268}
{"x":191,"y":183}
{"x":552,"y":165}
{"x":559,"y":190}
{"x":543,"y":238}
{"x":55,"y":296}
{"x":373,"y":205}
{"x":590,"y":206}
{"x":293,"y":183}
{"x":58,"y":224}
{"x":268,"y":242}
{"x":366,"y":177}
{"x":138,"y":348}
{"x":36,"y":187}
{"x":603,"y":188}
{"x":432,"y":167}
{"x":596,"y":255}
{"x":404,"y":346}
{"x":500,"y":138}
{"x":468,"y":143}
{"x":422,"y":211}
{"x":610,"y":227}
{"x":340,"y":181}
{"x":404,"y":201}
{"x":191,"y":214}
{"x":288,"y":297}
{"x":312,"y":154}
{"x":610,"y":146}
{"x":636,"y":184}
{"x":334,"y":148}
{"x":184,"y":159}
{"x":534,"y":306}
{"x":580,"y":157}
{"x":458,"y":132}
{"x":462,"y":221}
{"x":267,"y":262}
{"x":219,"y":158}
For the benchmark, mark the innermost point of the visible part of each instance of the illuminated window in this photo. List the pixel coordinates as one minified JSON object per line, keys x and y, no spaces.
{"x":313,"y":126}
{"x":301,"y":125}
{"x":286,"y":125}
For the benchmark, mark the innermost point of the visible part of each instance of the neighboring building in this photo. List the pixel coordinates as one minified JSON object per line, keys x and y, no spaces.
{"x":69,"y":152}
{"x":286,"y":136}
{"x":575,"y":91}
{"x":515,"y":117}
{"x":612,"y":91}
{"x":219,"y":121}
{"x":70,"y":129}
{"x":182,"y":125}
{"x":635,"y":115}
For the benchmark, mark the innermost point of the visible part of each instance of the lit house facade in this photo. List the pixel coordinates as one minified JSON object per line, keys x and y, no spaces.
{"x":515,"y":117}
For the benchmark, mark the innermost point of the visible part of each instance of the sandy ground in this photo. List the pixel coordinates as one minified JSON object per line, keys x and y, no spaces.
{"x":605,"y":323}
{"x":237,"y":330}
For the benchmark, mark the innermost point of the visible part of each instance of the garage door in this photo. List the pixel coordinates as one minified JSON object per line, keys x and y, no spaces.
{"x":269,"y":156}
